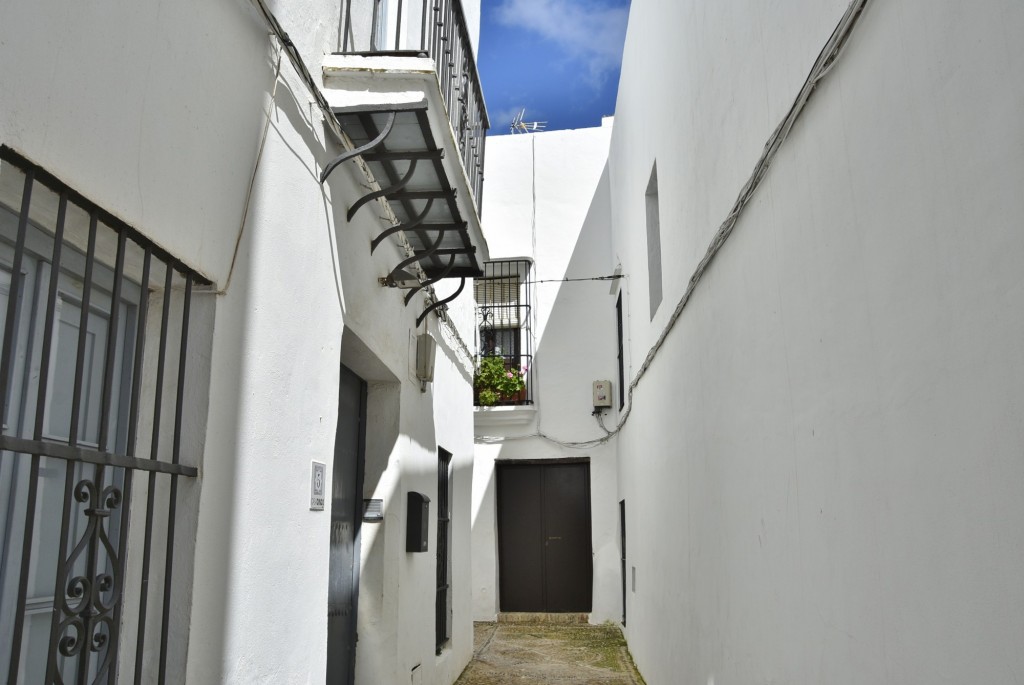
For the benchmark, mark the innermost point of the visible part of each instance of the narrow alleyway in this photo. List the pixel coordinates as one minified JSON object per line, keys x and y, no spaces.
{"x":548,"y":654}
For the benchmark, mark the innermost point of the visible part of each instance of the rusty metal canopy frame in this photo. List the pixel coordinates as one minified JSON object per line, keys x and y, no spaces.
{"x":399,"y":148}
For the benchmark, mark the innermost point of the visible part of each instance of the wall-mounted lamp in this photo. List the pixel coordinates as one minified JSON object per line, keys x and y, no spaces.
{"x":425,"y":349}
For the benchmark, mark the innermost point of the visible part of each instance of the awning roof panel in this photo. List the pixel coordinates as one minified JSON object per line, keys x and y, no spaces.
{"x":407,"y":165}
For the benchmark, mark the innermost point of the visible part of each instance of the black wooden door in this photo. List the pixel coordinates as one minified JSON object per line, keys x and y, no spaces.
{"x":544,"y":549}
{"x":346,"y":515}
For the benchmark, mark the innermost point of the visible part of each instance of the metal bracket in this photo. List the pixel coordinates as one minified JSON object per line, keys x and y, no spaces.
{"x":415,"y":258}
{"x":444,"y":274}
{"x":401,"y":227}
{"x":435,"y":305}
{"x":383,"y":192}
{"x":419,"y":228}
{"x":351,"y":154}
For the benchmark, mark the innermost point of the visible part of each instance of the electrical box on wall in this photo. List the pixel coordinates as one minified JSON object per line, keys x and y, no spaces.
{"x":417,"y":522}
{"x":602,"y":394}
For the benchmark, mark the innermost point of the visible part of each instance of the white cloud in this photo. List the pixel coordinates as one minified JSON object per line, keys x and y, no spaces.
{"x":586,"y":30}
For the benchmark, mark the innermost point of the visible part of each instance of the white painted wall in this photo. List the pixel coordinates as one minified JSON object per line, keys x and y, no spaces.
{"x":547,"y":199}
{"x":157,"y":113}
{"x":820,"y":468}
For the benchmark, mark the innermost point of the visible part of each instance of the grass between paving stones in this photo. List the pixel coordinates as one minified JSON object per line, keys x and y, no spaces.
{"x":604,"y":644}
{"x":601,"y":647}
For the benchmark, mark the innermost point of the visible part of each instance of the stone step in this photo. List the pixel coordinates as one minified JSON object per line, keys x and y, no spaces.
{"x":540,"y":617}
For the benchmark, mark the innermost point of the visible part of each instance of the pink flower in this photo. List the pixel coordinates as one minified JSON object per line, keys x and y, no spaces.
{"x":508,"y":374}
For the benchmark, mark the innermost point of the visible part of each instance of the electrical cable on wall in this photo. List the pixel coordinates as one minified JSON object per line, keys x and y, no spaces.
{"x":255,"y":169}
{"x":300,"y":67}
{"x":613,"y":277}
{"x":824,"y":64}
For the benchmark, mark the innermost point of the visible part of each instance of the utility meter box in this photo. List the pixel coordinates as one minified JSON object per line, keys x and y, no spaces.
{"x":602,"y":394}
{"x":417,"y":522}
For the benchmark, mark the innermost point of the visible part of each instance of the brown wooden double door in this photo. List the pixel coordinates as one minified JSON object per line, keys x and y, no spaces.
{"x":545,"y":560}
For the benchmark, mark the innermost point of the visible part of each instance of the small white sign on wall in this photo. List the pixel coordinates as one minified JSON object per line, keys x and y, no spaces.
{"x":317,"y":486}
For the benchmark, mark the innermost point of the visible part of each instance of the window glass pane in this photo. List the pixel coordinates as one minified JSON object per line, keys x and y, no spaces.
{"x":499,"y":341}
{"x":498,"y":299}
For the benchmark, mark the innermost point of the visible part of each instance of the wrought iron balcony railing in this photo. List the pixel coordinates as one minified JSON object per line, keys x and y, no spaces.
{"x":435,"y":29}
{"x":504,"y":328}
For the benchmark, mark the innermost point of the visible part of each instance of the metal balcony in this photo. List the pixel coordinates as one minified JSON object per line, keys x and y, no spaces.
{"x":434,"y":29}
{"x":504,"y":319}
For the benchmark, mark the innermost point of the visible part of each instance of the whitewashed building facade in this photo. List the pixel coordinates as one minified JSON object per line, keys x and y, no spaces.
{"x":166,"y":184}
{"x":815,"y":209}
{"x":555,"y":222}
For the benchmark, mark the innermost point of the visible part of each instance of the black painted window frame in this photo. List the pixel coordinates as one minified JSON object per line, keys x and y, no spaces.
{"x":443,"y":604}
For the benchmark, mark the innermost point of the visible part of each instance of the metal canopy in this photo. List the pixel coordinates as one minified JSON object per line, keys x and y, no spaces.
{"x":399,"y":148}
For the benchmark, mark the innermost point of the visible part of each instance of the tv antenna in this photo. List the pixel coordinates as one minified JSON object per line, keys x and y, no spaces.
{"x":520,"y":126}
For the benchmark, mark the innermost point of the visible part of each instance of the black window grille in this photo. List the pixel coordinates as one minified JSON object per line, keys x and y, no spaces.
{"x":443,"y":607}
{"x":93,"y":376}
{"x":503,"y":310}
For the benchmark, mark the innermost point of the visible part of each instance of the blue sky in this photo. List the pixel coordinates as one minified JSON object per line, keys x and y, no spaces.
{"x":557,"y":58}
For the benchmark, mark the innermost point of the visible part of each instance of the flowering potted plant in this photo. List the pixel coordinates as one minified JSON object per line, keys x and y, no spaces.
{"x":495,"y":382}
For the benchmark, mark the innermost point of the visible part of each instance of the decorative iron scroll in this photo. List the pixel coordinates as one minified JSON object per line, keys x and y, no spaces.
{"x":86,"y":621}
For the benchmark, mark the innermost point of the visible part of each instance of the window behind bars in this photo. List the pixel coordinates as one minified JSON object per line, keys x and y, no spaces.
{"x":503,"y":314}
{"x":99,"y":450}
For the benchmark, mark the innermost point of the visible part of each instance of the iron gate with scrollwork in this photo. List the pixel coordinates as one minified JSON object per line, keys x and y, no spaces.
{"x":93,"y":374}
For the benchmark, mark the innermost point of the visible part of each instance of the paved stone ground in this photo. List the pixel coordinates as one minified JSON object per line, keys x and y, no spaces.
{"x":547,"y":654}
